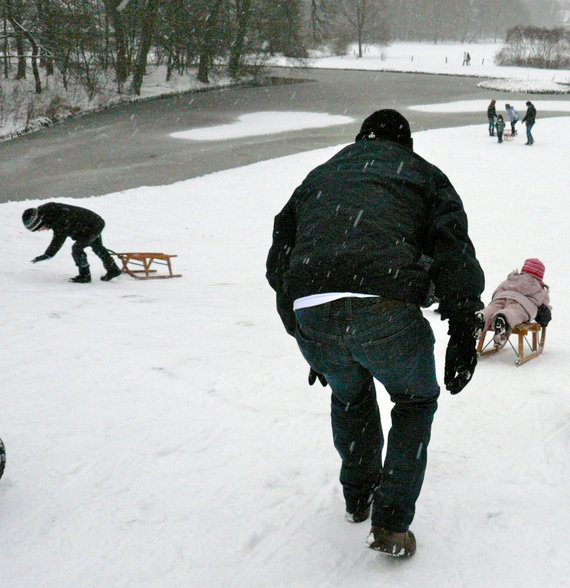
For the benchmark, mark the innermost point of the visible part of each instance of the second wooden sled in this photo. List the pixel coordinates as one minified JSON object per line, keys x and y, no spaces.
{"x":144,"y":266}
{"x":524,"y":353}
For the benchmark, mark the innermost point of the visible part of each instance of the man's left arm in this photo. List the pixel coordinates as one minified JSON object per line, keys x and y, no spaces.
{"x":459,"y":282}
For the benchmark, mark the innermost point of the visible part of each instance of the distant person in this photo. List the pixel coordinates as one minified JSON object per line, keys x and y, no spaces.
{"x":514,"y":117}
{"x":468,"y":59}
{"x":500,"y":126}
{"x":2,"y":457}
{"x":491,"y":116}
{"x":354,"y":251}
{"x":529,"y":119}
{"x":521,"y":298}
{"x":82,"y":225}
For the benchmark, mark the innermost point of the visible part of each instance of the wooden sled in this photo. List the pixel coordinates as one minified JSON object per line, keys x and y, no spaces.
{"x":533,"y":349}
{"x":507,"y":135}
{"x":143,"y":266}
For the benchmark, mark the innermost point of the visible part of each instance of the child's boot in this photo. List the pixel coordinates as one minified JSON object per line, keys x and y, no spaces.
{"x":479,"y":325}
{"x":500,"y":327}
{"x":84,"y":276}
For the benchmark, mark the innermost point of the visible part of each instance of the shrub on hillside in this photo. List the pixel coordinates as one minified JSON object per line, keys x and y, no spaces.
{"x":536,"y":47}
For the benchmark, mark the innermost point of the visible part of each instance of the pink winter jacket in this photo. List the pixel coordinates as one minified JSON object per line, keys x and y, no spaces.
{"x":524,"y":289}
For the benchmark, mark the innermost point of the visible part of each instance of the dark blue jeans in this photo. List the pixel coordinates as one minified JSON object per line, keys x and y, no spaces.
{"x":351,"y":341}
{"x":529,"y":136}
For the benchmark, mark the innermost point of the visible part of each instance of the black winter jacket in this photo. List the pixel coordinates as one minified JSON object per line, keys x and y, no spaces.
{"x":69,"y":221}
{"x":530,"y":115}
{"x":364,"y":222}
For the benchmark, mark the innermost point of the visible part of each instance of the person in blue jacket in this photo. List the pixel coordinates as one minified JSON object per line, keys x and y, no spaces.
{"x":514,"y":117}
{"x":348,"y":267}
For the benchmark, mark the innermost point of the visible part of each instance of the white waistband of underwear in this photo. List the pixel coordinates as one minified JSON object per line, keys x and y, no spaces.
{"x":316,"y":299}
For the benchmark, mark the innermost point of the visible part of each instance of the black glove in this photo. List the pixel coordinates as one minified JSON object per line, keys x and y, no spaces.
{"x":313,"y":375}
{"x":40,"y":258}
{"x":461,"y":354}
{"x":543,"y":316}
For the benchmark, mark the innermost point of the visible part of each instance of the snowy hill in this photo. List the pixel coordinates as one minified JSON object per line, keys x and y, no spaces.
{"x":162,"y":434}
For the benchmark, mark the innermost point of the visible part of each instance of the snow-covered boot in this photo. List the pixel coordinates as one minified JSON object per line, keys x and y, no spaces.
{"x":392,"y":543}
{"x":500,"y":327}
{"x":479,"y":325}
{"x":112,"y":272}
{"x":359,"y":516}
{"x":84,"y":276}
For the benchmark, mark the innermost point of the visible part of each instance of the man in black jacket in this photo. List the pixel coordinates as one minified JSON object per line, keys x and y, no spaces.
{"x":348,"y":264}
{"x":529,"y":120}
{"x":82,"y":225}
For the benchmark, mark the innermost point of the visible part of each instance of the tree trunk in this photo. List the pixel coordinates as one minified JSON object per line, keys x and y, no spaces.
{"x":147,"y":30}
{"x":121,"y":64}
{"x":207,"y":44}
{"x":242,"y":22}
{"x":35,"y":50}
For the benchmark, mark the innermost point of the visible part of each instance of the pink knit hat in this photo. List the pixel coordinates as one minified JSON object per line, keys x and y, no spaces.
{"x":534,"y":267}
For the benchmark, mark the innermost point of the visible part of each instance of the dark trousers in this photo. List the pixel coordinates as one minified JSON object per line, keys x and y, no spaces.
{"x":96,"y":244}
{"x":353,"y":341}
{"x":529,"y":137}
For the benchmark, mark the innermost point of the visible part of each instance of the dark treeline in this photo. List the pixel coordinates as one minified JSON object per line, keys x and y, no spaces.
{"x":85,"y":39}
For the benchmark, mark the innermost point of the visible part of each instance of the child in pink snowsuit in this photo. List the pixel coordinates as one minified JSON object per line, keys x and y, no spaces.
{"x":521,"y":298}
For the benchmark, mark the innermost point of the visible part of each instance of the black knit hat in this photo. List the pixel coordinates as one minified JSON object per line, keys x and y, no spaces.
{"x":387,"y":124}
{"x":32,"y":219}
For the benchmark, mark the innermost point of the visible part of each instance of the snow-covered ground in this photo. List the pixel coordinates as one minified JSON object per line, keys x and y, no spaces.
{"x":446,"y":59}
{"x":162,"y":433}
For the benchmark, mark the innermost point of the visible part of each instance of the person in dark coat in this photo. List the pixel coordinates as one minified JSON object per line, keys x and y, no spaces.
{"x":491,"y":116}
{"x":348,"y":265}
{"x":529,"y":120}
{"x":82,"y":225}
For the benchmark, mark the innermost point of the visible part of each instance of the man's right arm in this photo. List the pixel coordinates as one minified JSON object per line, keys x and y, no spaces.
{"x":284,"y":229}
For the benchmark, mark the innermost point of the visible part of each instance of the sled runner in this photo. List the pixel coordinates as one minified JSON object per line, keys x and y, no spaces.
{"x":144,"y":266}
{"x":533,"y":349}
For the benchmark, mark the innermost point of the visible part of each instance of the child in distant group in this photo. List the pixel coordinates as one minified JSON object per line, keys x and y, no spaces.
{"x":522,"y":297}
{"x":500,"y":126}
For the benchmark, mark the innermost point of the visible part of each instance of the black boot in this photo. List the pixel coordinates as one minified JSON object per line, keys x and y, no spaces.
{"x":112,"y":272}
{"x":84,"y":276}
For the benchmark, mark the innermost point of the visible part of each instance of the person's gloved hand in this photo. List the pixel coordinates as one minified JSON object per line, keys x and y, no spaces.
{"x":461,"y":354}
{"x":313,"y":375}
{"x":543,"y":316}
{"x":40,"y":258}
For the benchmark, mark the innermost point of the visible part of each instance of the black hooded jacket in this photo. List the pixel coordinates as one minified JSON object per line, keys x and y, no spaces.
{"x":66,"y":220}
{"x":364,"y":222}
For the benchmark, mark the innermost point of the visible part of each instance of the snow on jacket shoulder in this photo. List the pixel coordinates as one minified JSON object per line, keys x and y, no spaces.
{"x":524,"y":289}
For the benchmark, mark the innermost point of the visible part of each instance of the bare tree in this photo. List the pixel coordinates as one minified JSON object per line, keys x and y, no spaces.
{"x":148,"y":23}
{"x":366,"y":19}
{"x":207,"y":51}
{"x":243,"y":10}
{"x":114,"y":10}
